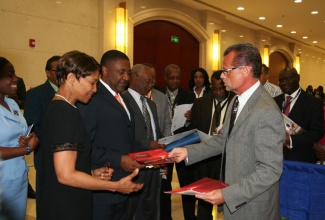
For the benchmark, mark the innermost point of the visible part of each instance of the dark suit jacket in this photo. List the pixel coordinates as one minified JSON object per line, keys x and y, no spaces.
{"x":111,"y":134}
{"x":307,"y":112}
{"x":202,"y":112}
{"x":36,"y":103}
{"x":141,"y":142}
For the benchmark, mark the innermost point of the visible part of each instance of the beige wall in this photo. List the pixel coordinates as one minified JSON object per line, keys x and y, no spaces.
{"x":89,"y":26}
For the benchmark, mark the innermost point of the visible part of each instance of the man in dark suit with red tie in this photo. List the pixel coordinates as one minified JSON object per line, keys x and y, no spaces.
{"x":109,"y":122}
{"x":208,"y":115}
{"x":304,"y":110}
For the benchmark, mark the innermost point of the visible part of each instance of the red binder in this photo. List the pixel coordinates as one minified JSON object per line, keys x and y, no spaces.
{"x":204,"y":185}
{"x":151,"y":157}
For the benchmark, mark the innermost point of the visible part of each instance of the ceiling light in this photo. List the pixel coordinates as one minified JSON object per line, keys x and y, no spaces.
{"x":211,"y":23}
{"x":261,"y":18}
{"x":58,"y":2}
{"x":293,"y":32}
{"x":240,"y":8}
{"x":241,"y":35}
{"x":314,"y":12}
{"x":298,"y":1}
{"x":279,"y":26}
{"x":315,"y":42}
{"x":143,"y":6}
{"x":305,"y":37}
{"x":223,"y":31}
{"x":263,"y":40}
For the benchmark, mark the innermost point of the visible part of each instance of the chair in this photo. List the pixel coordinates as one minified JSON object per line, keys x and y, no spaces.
{"x":320,"y":152}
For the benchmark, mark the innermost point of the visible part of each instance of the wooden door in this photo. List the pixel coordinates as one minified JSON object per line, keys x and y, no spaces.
{"x":152,"y":44}
{"x":277,"y":63}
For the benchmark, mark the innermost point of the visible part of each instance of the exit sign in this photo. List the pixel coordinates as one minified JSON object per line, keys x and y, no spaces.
{"x":174,"y":39}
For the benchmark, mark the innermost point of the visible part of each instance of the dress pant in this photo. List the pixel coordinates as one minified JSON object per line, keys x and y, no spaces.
{"x":144,"y":205}
{"x":106,"y":211}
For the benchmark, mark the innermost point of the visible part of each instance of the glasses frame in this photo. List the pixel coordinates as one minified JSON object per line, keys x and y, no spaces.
{"x":226,"y":71}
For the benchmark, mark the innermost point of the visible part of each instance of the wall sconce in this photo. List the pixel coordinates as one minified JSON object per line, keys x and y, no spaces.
{"x":297,"y":63}
{"x":215,"y":50}
{"x":121,"y":28}
{"x":266,"y":55}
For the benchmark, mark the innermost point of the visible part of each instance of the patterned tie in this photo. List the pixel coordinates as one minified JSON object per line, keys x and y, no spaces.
{"x":231,"y":125}
{"x":215,"y":118}
{"x":147,"y":119}
{"x":286,"y":106}
{"x":119,"y":100}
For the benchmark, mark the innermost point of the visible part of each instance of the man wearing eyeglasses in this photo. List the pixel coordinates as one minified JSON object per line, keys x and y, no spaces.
{"x":250,"y":141}
{"x":144,"y":205}
{"x":208,"y":116}
{"x":304,"y":110}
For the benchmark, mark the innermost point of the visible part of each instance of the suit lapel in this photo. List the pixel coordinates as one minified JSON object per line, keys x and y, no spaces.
{"x":247,"y":109}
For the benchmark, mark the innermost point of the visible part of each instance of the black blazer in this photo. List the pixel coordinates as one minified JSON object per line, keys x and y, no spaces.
{"x":111,"y":133}
{"x":308,"y":113}
{"x":36,"y":103}
{"x":141,"y":143}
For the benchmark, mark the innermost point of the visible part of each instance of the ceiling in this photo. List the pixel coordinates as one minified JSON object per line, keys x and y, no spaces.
{"x":292,"y":16}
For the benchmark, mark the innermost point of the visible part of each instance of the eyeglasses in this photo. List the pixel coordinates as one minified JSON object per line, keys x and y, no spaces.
{"x":286,"y":79}
{"x":148,"y":81}
{"x":226,"y":71}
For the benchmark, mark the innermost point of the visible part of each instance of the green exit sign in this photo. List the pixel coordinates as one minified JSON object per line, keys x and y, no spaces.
{"x":174,"y":39}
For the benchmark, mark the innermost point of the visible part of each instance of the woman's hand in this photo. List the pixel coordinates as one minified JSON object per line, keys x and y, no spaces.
{"x":126,"y":186}
{"x":103,"y":173}
{"x":31,"y":141}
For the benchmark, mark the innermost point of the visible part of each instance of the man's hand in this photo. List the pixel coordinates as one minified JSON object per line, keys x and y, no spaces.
{"x":178,"y":154}
{"x":214,"y":197}
{"x":188,"y":115}
{"x":129,"y":164}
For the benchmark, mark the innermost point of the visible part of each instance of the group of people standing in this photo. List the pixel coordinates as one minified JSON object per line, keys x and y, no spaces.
{"x":88,"y":117}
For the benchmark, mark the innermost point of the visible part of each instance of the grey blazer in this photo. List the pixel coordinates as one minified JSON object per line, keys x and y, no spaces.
{"x":164,"y":118}
{"x":254,"y":158}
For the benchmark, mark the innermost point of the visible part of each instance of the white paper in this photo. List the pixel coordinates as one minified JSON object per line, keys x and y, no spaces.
{"x":179,"y":118}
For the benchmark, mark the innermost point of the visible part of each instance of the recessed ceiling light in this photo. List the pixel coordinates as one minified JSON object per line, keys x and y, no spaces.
{"x":58,"y":2}
{"x":263,"y":40}
{"x":261,"y":18}
{"x":315,"y":42}
{"x":293,"y":32}
{"x":143,"y":6}
{"x":223,"y":30}
{"x":279,"y":26}
{"x":241,"y":35}
{"x":298,"y":1}
{"x":211,"y":23}
{"x":240,"y":8}
{"x":314,"y":12}
{"x":305,"y":37}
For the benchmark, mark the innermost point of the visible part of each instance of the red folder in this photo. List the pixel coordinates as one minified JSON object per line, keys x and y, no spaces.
{"x":151,"y":157}
{"x":204,"y":185}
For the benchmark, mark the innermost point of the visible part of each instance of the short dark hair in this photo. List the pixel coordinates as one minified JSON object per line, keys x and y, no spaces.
{"x":50,"y":61}
{"x":266,"y":69}
{"x":113,"y":55}
{"x":246,"y":55}
{"x":191,"y":83}
{"x":3,"y":62}
{"x":217,"y":75}
{"x":76,"y":62}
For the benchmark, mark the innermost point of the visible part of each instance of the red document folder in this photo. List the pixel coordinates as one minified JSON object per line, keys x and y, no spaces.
{"x":151,"y":157}
{"x":201,"y":186}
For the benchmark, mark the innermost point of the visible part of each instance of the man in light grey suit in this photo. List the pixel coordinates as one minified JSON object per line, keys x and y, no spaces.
{"x":252,"y":150}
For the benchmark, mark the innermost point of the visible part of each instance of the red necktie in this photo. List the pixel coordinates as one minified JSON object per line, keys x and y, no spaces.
{"x":119,"y":99}
{"x":286,"y":106}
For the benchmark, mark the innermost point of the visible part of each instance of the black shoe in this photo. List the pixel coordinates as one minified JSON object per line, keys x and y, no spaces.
{"x":30,"y":192}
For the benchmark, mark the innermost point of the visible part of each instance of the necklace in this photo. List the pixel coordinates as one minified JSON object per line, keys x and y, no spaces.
{"x":65,"y":100}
